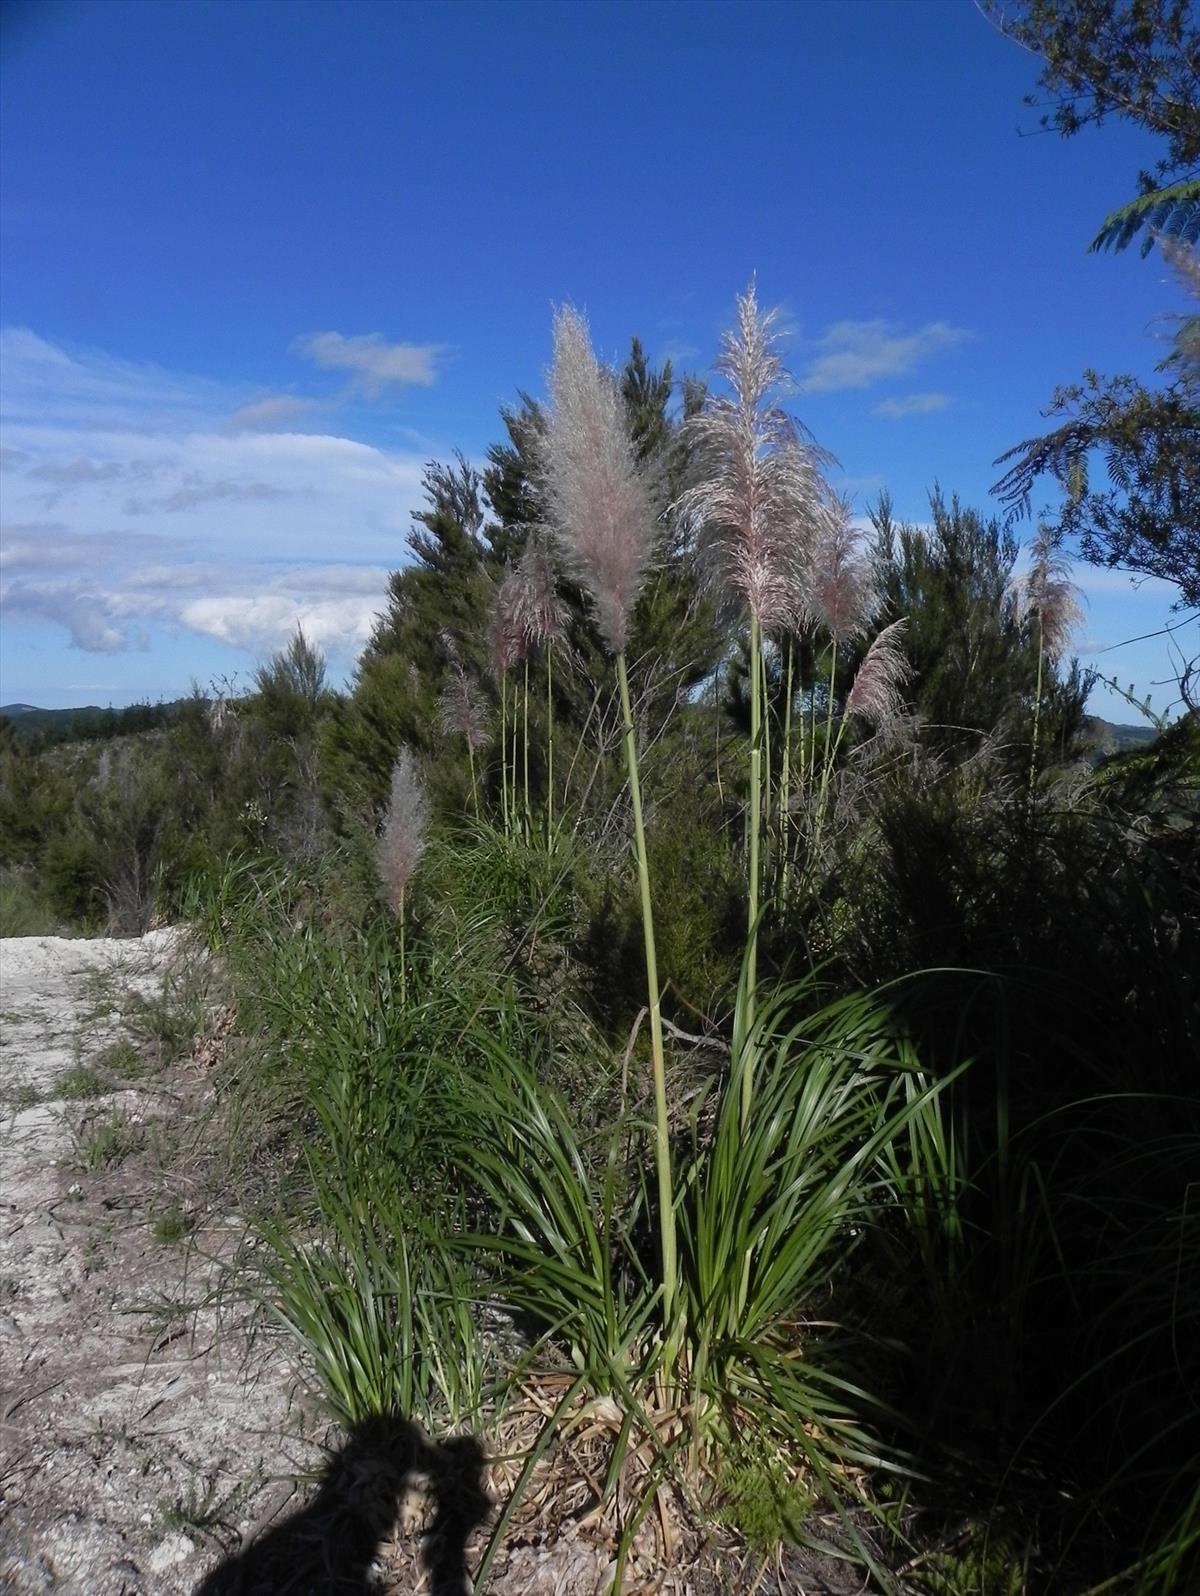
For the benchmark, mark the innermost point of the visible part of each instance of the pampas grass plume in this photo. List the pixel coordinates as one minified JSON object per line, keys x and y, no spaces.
{"x":505,"y":638}
{"x":876,"y":691}
{"x":598,"y":505}
{"x":402,"y":837}
{"x":841,"y":593}
{"x":460,"y":709}
{"x":1046,"y":594}
{"x":759,"y":497}
{"x":537,"y":611}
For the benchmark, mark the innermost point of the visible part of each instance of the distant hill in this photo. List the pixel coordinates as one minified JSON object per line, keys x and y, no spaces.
{"x":87,"y":722}
{"x":1110,"y":738}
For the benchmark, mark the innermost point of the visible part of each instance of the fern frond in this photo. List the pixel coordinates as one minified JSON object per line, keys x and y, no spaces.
{"x":1173,"y":212}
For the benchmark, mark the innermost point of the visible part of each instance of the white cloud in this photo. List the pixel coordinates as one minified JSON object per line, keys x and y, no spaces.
{"x":235,"y":536}
{"x":856,"y":354}
{"x":276,"y":410}
{"x":911,"y":404}
{"x":263,"y":622}
{"x":374,"y":364}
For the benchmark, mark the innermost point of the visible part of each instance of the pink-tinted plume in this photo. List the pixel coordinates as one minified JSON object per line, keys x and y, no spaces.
{"x":402,"y":837}
{"x":598,"y":505}
{"x":760,"y":498}
{"x":876,"y":692}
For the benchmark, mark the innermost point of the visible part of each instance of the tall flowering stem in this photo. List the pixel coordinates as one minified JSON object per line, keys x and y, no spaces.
{"x":785,"y":770}
{"x":402,"y":842}
{"x":461,"y":714}
{"x":506,"y":645}
{"x":755,"y":507}
{"x":602,"y":518}
{"x":1047,"y":596}
{"x":841,"y":598}
{"x":542,"y":618}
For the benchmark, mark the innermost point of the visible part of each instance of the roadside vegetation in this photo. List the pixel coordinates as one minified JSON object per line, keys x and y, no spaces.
{"x":706,"y":1021}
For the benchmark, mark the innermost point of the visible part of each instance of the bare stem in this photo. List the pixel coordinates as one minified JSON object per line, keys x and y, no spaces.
{"x":549,"y":743}
{"x":785,"y":771}
{"x":528,"y":825}
{"x":1037,"y":712}
{"x":754,"y":821}
{"x":662,"y":1148}
{"x":504,"y":751}
{"x":403,"y":970}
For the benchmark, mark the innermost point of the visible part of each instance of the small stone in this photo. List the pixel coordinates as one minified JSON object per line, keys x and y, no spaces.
{"x":170,"y":1553}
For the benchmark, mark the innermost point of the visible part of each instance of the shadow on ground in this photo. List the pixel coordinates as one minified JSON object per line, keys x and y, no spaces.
{"x":327,"y":1548}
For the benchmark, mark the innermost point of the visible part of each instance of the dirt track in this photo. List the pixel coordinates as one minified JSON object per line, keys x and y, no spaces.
{"x":132,"y":1447}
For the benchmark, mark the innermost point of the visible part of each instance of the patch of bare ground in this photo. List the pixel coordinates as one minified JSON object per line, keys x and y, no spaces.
{"x":146,"y":1420}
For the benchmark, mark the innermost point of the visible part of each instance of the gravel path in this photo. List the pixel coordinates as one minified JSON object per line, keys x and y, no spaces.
{"x":133,"y":1445}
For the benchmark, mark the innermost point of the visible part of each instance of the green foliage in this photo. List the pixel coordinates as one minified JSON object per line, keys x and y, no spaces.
{"x":1173,"y":211}
{"x":973,"y":666}
{"x":24,"y":908}
{"x":1146,"y":518}
{"x":1136,"y":59}
{"x":107,"y":1141}
{"x":760,"y":1499}
{"x":1139,"y":59}
{"x":172,"y":1225}
{"x":80,"y":1082}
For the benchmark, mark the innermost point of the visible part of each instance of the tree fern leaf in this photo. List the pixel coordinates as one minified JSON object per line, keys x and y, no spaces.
{"x":1174,"y":211}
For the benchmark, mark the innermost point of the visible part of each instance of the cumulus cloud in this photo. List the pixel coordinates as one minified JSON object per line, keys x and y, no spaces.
{"x":84,"y":612}
{"x":263,"y":622}
{"x":373,"y":363}
{"x":12,"y":459}
{"x":242,"y":535}
{"x":911,"y":404}
{"x":857,"y":354}
{"x":264,"y":415}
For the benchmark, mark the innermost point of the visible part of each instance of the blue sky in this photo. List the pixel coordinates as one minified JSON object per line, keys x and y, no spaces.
{"x":260,"y":261}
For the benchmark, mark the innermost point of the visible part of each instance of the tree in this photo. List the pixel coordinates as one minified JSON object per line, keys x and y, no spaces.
{"x":1146,"y":517}
{"x":974,"y":664}
{"x":1136,"y":59}
{"x":1139,"y":60}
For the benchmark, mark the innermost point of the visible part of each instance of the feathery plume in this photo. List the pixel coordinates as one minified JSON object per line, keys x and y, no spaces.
{"x":538,"y":612}
{"x":505,"y":638}
{"x":599,"y":508}
{"x":460,"y":708}
{"x":840,"y":589}
{"x":1045,"y":593}
{"x":876,"y":691}
{"x":760,"y":497}
{"x":402,"y":837}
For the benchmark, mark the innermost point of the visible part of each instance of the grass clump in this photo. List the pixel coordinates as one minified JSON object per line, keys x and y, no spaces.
{"x":81,"y":1082}
{"x":172,"y":1225}
{"x":121,"y":1061}
{"x":108,"y":1141}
